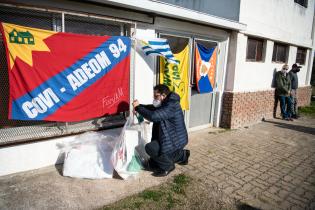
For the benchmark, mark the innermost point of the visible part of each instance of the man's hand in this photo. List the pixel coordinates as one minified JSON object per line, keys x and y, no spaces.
{"x":135,"y":103}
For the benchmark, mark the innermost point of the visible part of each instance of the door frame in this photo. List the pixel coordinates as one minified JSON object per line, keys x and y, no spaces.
{"x":192,"y":39}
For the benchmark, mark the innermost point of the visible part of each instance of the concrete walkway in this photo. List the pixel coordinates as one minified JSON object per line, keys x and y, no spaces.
{"x":270,"y":165}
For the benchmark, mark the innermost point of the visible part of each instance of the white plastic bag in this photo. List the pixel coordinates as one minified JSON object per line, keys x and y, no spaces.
{"x":124,"y":158}
{"x":88,"y":156}
{"x":145,"y":137}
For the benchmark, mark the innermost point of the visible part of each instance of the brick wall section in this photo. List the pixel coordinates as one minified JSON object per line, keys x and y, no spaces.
{"x":247,"y":108}
{"x":304,"y":96}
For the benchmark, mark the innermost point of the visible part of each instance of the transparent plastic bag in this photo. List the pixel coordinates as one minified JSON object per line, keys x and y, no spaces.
{"x":129,"y":153}
{"x":88,"y":156}
{"x":145,"y":137}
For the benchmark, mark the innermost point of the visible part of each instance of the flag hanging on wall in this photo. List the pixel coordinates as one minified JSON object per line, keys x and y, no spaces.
{"x":65,"y":77}
{"x":176,"y":76}
{"x":205,"y":66}
{"x":158,"y":47}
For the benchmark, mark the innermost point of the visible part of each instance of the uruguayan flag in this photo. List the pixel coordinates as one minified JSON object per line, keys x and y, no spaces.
{"x":158,"y":47}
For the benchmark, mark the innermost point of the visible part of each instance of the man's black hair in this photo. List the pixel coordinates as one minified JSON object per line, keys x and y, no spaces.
{"x":162,"y":89}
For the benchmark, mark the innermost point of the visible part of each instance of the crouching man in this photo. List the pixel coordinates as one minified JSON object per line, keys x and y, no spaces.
{"x":169,"y":134}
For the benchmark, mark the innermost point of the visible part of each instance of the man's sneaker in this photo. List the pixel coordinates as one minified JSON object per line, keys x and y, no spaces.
{"x":187,"y":154}
{"x":161,"y":173}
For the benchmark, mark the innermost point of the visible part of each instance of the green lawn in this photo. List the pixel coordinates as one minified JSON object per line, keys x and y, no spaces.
{"x":308,"y":110}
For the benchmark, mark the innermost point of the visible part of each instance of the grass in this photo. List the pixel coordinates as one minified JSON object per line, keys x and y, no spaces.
{"x":179,"y":184}
{"x":308,"y":110}
{"x":166,"y":196}
{"x":182,"y":192}
{"x":151,"y":195}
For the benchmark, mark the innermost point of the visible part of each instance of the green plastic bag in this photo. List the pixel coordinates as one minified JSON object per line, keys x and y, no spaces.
{"x":134,"y":165}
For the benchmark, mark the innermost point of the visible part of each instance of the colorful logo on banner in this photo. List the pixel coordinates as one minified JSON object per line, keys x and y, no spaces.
{"x":176,"y":76}
{"x":205,"y":65}
{"x":65,"y":77}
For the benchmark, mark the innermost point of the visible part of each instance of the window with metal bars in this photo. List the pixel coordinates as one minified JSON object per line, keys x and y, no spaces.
{"x":254,"y":50}
{"x":300,"y":56}
{"x":280,"y":54}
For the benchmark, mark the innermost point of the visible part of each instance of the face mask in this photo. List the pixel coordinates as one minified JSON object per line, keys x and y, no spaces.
{"x":156,"y":103}
{"x":284,"y":71}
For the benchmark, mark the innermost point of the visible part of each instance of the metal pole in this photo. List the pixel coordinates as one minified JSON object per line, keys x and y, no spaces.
{"x":62,"y":22}
{"x":132,"y":67}
{"x":63,"y":30}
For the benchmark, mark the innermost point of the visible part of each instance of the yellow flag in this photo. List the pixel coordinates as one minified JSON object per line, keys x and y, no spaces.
{"x":176,"y":76}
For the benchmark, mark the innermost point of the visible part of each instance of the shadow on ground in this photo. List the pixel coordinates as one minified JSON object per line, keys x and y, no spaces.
{"x":244,"y":206}
{"x":299,"y":128}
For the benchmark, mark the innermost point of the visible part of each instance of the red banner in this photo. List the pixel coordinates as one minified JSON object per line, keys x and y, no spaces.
{"x":65,"y":77}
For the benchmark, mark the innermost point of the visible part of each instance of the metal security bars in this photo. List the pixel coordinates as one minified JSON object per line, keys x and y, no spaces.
{"x":14,"y":131}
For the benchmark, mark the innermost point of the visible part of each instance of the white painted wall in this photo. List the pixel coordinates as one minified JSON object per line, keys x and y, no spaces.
{"x":144,"y":68}
{"x":255,"y":76}
{"x":272,"y":21}
{"x":282,"y":20}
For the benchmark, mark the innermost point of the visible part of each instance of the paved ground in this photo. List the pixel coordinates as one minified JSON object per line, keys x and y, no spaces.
{"x":270,"y":165}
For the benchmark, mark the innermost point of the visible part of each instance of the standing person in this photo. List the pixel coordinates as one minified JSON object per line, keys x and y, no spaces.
{"x":283,"y":87}
{"x":276,"y":96}
{"x":169,"y":134}
{"x":294,"y":86}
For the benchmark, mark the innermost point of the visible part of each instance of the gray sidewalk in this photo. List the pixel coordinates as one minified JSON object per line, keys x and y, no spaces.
{"x":270,"y":165}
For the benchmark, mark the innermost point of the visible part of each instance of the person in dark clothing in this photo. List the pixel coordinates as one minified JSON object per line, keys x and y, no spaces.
{"x":294,"y":86}
{"x":283,"y":88}
{"x":276,"y":96}
{"x":169,"y":134}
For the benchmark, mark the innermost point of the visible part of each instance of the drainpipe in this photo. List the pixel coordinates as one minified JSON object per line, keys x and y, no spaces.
{"x":311,"y":57}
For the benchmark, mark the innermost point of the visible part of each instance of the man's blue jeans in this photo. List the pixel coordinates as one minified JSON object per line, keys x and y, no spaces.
{"x":286,"y":106}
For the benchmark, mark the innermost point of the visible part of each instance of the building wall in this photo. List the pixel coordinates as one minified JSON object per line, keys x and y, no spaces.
{"x":271,"y":20}
{"x":249,"y":95}
{"x":246,"y":108}
{"x":282,"y":20}
{"x":252,"y":76}
{"x":224,"y":8}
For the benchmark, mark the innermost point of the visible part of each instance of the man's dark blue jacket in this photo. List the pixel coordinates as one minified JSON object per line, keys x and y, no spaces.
{"x":168,"y":123}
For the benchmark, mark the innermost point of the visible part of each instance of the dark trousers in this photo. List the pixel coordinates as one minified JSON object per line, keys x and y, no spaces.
{"x":275,"y":106}
{"x":286,"y":106}
{"x":294,"y":102}
{"x":163,"y":161}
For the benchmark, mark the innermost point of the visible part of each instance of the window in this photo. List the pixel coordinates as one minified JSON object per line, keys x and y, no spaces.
{"x":254,"y":49}
{"x":301,"y":2}
{"x":279,"y":53}
{"x":300,"y":55}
